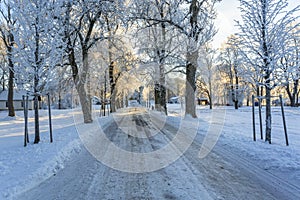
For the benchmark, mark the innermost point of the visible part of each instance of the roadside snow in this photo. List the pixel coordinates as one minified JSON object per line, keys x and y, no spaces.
{"x":22,"y":168}
{"x":237,"y":137}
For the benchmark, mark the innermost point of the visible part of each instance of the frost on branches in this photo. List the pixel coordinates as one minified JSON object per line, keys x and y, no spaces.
{"x":264,"y":30}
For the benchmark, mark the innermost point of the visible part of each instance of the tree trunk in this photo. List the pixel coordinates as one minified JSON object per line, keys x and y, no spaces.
{"x":36,"y":103}
{"x":112,"y":85}
{"x":8,"y":41}
{"x":84,"y":98}
{"x":190,"y":107}
{"x":210,"y":103}
{"x":113,"y":99}
{"x":162,"y":55}
{"x":232,"y":93}
{"x":236,"y":103}
{"x":210,"y":92}
{"x":295,"y":91}
{"x":3,"y":81}
{"x":10,"y":97}
{"x":85,"y":103}
{"x":36,"y":83}
{"x":157,"y":97}
{"x":268,"y":114}
{"x":79,"y":82}
{"x":111,"y":69}
{"x":163,"y":104}
{"x":80,"y":79}
{"x":265,"y":48}
{"x":59,"y":101}
{"x":297,"y":98}
{"x":257,"y":90}
{"x":36,"y":119}
{"x":293,"y":94}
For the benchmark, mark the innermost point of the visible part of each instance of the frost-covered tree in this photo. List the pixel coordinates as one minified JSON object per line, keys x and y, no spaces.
{"x":157,"y":41}
{"x":231,"y":69}
{"x":194,"y":21}
{"x":83,"y":25}
{"x":199,"y":30}
{"x":36,"y":47}
{"x":2,"y":69}
{"x":59,"y":84}
{"x":7,"y":26}
{"x":206,"y":69}
{"x":263,"y":30}
{"x":117,"y":53}
{"x":289,"y":68}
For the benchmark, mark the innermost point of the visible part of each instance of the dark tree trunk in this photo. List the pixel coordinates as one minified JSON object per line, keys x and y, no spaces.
{"x":236,"y":103}
{"x":268,"y":115}
{"x":297,"y":98}
{"x":10,"y":97}
{"x":257,"y":91}
{"x":163,"y":104}
{"x":233,"y":96}
{"x":8,"y":41}
{"x":112,"y":86}
{"x":36,"y":83}
{"x":36,"y":120}
{"x":113,"y":101}
{"x":160,"y":89}
{"x":59,"y":101}
{"x":248,"y":100}
{"x":162,"y":57}
{"x":157,"y":96}
{"x":293,"y":94}
{"x":160,"y":97}
{"x":210,"y":102}
{"x":3,"y":81}
{"x":190,"y":107}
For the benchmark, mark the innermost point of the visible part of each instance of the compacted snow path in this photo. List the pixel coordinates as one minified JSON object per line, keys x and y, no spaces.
{"x":220,"y":175}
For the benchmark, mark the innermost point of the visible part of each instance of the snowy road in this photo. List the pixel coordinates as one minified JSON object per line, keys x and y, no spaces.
{"x":223,"y":174}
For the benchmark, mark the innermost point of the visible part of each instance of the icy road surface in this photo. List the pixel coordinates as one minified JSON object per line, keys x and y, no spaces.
{"x":222,"y":174}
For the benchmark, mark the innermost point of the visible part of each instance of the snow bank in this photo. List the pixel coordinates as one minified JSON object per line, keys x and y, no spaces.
{"x":21,"y":168}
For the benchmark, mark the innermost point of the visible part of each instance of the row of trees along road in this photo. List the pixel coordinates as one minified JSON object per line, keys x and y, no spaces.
{"x":42,"y":37}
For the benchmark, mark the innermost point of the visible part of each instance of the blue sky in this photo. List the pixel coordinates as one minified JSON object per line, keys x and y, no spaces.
{"x":228,"y":12}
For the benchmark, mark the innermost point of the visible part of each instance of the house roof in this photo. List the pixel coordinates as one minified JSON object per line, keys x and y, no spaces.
{"x":18,"y":95}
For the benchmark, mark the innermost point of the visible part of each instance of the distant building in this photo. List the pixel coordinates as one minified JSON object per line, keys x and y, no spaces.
{"x":18,"y":100}
{"x":202,"y":101}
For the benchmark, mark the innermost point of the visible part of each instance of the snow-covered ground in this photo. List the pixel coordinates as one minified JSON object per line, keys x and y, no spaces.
{"x":237,"y":137}
{"x":22,"y":168}
{"x":237,"y":132}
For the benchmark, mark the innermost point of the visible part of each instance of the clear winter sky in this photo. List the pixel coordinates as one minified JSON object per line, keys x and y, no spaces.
{"x":228,"y":12}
